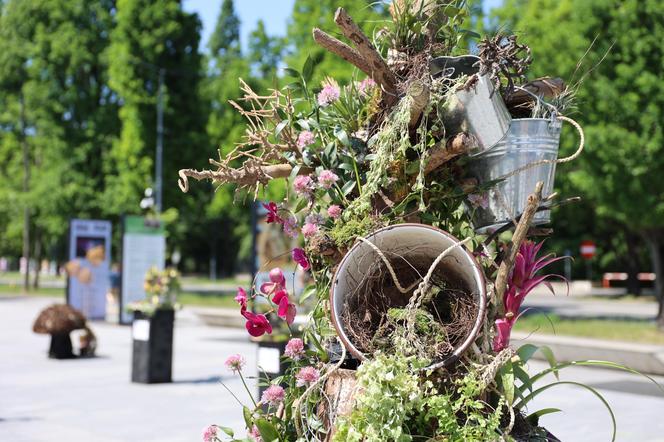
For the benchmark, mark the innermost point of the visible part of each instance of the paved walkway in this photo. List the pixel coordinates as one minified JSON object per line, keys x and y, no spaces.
{"x":43,"y":400}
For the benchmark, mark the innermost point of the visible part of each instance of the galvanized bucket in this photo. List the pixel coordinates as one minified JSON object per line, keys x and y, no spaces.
{"x":528,"y":140}
{"x":479,"y":111}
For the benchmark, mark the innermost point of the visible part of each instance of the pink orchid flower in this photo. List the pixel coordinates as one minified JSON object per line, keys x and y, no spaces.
{"x":300,"y":257}
{"x":272,"y":213}
{"x":241,"y":298}
{"x":257,"y":324}
{"x":521,"y":282}
{"x":277,"y":282}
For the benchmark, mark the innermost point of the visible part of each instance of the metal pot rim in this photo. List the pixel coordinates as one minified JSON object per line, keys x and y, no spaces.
{"x":482,"y":295}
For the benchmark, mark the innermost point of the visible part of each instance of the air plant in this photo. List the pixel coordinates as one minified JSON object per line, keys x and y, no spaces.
{"x":521,"y":282}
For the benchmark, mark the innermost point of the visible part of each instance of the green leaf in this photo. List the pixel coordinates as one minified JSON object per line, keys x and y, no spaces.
{"x":524,"y":377}
{"x":267,"y":430}
{"x":535,"y":393}
{"x":346,"y":166}
{"x":348,"y":187}
{"x":301,"y":204}
{"x":246,"y":413}
{"x":526,"y":352}
{"x":533,"y":418}
{"x":280,"y":127}
{"x":290,"y":72}
{"x":308,"y":69}
{"x":548,"y":354}
{"x":295,"y":86}
{"x":342,"y":136}
{"x":228,"y":431}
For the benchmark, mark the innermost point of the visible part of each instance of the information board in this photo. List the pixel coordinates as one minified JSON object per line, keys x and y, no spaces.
{"x":143,"y":247}
{"x":89,"y":266}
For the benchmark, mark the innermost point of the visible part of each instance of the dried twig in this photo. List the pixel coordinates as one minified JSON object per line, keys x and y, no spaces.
{"x":341,"y":49}
{"x":243,"y":177}
{"x":380,"y":72}
{"x":458,"y":145}
{"x":419,"y":92}
{"x":518,"y":237}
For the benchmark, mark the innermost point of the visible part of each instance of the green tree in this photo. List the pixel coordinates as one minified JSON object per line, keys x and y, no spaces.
{"x":264,"y":52}
{"x":621,"y":104}
{"x":58,"y":117}
{"x":153,"y":43}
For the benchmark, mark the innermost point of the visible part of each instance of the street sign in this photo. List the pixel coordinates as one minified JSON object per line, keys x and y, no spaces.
{"x":587,"y":249}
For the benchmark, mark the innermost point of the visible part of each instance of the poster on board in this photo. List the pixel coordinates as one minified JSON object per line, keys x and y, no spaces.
{"x":89,"y":266}
{"x":143,"y":247}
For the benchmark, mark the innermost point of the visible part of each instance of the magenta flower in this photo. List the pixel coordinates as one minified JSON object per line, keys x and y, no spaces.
{"x":364,"y":85}
{"x":290,"y":227}
{"x":278,"y":282}
{"x":241,"y":298}
{"x":303,"y":185}
{"x":272,"y":213}
{"x":309,"y":230}
{"x":307,"y":376}
{"x":281,"y":300}
{"x":521,"y":282}
{"x":210,"y":433}
{"x":294,"y":349}
{"x":329,"y":94}
{"x":257,"y":324}
{"x":291,"y":312}
{"x":305,"y":138}
{"x":300,"y":257}
{"x":334,"y":211}
{"x":327,"y":178}
{"x":274,"y":395}
{"x":235,"y":363}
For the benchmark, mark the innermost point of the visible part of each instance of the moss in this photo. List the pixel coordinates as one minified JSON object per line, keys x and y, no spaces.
{"x":344,"y":234}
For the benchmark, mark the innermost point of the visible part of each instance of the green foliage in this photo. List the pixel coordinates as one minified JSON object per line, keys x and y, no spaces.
{"x":344,"y":234}
{"x":399,"y":403}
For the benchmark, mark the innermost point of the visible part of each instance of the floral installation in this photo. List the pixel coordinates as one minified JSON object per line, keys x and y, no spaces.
{"x":161,"y":288}
{"x":378,"y":152}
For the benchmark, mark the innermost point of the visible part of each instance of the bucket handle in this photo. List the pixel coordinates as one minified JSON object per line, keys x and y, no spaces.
{"x":575,"y":155}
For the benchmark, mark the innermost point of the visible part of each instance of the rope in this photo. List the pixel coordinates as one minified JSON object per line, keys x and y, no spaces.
{"x":307,"y":392}
{"x":389,"y":267}
{"x":572,"y":157}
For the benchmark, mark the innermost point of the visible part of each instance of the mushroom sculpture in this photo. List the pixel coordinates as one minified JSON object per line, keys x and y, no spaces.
{"x":58,"y":321}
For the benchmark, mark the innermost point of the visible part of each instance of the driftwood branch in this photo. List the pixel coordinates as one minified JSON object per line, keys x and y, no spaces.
{"x":455,"y":146}
{"x":247,"y":175}
{"x":341,"y":49}
{"x":419,"y":92}
{"x":380,"y":72}
{"x":519,"y":236}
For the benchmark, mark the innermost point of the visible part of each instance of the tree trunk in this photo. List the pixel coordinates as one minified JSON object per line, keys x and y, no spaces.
{"x":26,"y":188}
{"x":656,"y":255}
{"x":38,"y":256}
{"x":633,"y":263}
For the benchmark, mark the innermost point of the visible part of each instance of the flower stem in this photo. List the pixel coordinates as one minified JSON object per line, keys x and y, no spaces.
{"x":248,"y":391}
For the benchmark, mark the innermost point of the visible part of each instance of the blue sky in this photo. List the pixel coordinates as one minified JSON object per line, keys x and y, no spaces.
{"x":274,"y":13}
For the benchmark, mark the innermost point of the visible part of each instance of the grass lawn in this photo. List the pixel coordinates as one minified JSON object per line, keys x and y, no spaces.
{"x":13,"y":290}
{"x":199,"y":300}
{"x":612,"y":329}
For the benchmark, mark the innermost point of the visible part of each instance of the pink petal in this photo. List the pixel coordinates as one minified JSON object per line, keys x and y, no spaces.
{"x":283,"y":307}
{"x":279,"y":296}
{"x":290,"y":314}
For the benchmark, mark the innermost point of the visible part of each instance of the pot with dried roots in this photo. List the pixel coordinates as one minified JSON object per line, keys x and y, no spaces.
{"x":411,"y":288}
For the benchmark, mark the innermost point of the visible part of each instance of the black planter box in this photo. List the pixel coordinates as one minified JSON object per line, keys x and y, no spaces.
{"x":152,"y":358}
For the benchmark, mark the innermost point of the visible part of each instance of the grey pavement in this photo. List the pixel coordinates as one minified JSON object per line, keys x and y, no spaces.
{"x":92,"y":400}
{"x":582,"y":307}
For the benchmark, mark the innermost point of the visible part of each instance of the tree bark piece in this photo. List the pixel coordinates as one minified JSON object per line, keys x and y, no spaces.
{"x":247,"y":175}
{"x":341,"y":49}
{"x":419,"y":91}
{"x":519,"y":236}
{"x":380,"y":72}
{"x":340,"y":389}
{"x":455,"y":146}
